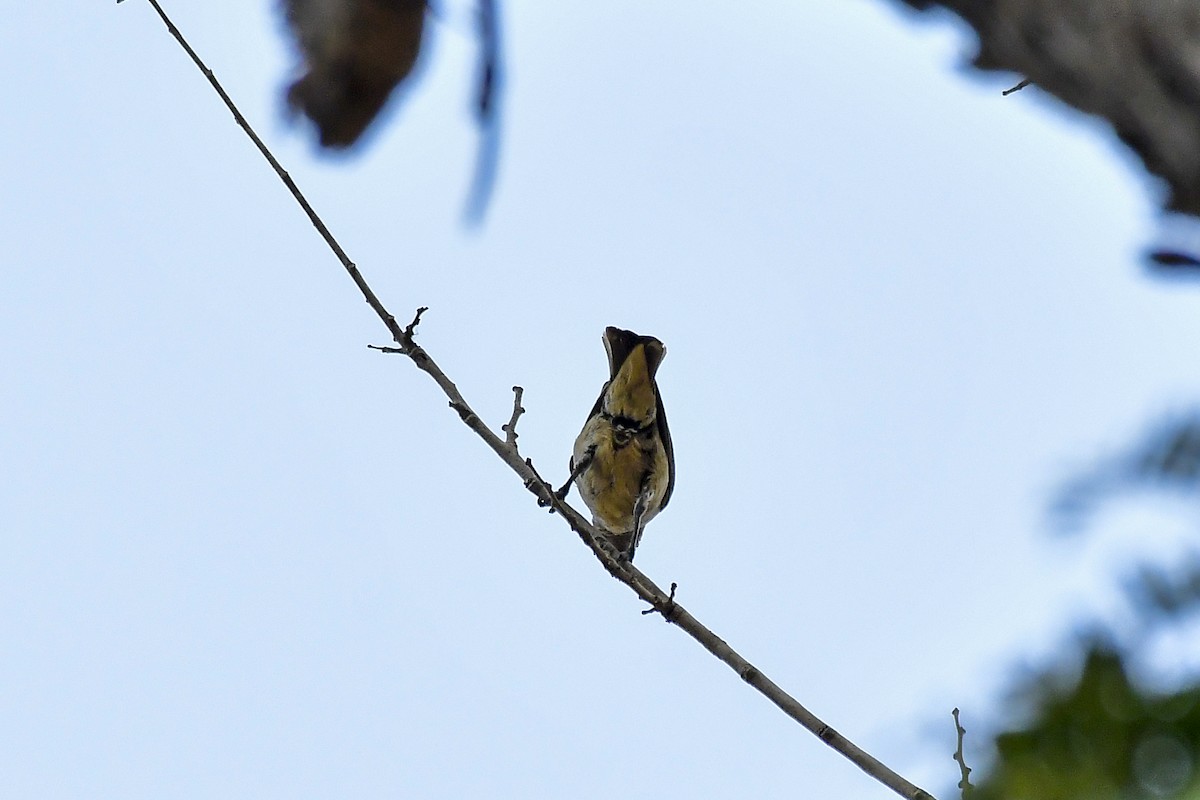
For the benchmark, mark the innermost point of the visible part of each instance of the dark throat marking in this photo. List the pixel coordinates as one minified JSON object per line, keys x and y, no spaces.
{"x":625,"y":428}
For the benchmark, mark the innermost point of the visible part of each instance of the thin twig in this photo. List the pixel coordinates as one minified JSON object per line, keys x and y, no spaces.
{"x":410,"y":330}
{"x":1017,"y":88}
{"x":965,"y":784}
{"x":510,"y":428}
{"x":667,"y":610}
{"x":619,"y":568}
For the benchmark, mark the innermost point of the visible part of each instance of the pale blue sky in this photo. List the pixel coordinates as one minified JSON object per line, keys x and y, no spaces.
{"x":244,"y":556}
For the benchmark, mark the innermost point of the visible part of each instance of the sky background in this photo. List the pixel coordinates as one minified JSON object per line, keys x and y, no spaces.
{"x":243,"y":556}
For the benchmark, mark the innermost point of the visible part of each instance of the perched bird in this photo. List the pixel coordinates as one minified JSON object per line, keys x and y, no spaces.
{"x":355,"y":53}
{"x":623,"y":462}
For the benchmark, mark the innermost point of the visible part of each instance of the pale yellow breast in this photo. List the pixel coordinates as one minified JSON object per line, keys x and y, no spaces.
{"x":611,"y":485}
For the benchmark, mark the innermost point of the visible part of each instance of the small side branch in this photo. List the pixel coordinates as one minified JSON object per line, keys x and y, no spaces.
{"x":1017,"y":88}
{"x":510,"y":428}
{"x":964,"y":785}
{"x":667,"y":609}
{"x":410,"y":330}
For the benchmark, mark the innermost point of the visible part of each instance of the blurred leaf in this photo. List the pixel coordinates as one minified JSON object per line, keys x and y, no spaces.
{"x":1168,"y":457}
{"x":355,"y":53}
{"x":1161,"y":595}
{"x":1097,"y":736}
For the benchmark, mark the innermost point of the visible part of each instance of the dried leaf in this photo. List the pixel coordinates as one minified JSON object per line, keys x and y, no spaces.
{"x":355,"y":53}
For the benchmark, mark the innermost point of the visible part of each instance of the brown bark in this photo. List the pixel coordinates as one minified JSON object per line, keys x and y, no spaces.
{"x":1134,"y":62}
{"x":355,"y":53}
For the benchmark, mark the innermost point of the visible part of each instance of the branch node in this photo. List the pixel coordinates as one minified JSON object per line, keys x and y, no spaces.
{"x":537,"y":484}
{"x":386,"y":349}
{"x":667,"y":608}
{"x":749,"y":674}
{"x":464,"y":412}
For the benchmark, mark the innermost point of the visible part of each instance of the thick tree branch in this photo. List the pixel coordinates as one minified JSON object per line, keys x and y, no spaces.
{"x":1135,"y":63}
{"x":618,"y":567}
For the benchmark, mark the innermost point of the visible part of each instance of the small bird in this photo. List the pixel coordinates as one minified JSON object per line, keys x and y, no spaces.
{"x":623,"y":462}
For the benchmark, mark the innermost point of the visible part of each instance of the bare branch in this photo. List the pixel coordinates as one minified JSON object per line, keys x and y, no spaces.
{"x":510,"y":428}
{"x":410,"y":330}
{"x":609,"y":558}
{"x":668,"y":610}
{"x":965,"y":783}
{"x":1017,"y":88}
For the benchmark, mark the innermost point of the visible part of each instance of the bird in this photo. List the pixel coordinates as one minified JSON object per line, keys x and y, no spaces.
{"x":623,"y":462}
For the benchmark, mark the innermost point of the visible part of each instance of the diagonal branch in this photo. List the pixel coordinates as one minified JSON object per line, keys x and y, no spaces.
{"x":609,"y":558}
